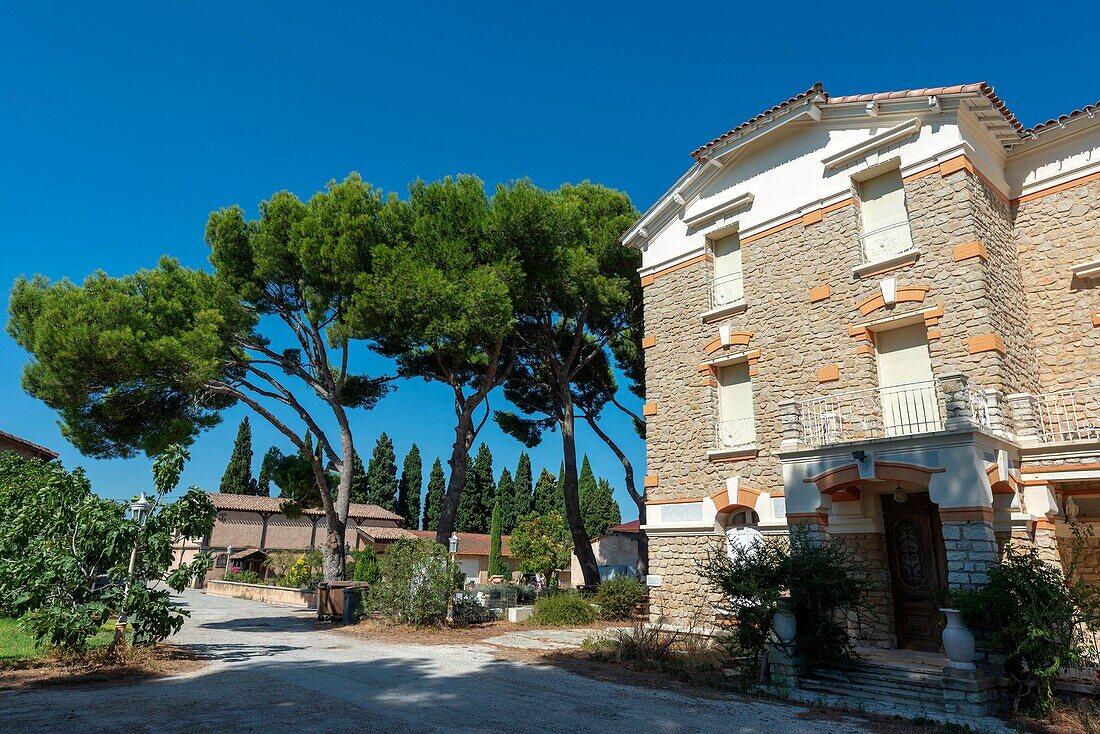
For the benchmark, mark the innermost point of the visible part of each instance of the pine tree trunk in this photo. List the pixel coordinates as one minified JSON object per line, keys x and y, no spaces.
{"x":336,"y":513}
{"x":582,"y":545}
{"x":457,"y":481}
{"x":642,"y":566}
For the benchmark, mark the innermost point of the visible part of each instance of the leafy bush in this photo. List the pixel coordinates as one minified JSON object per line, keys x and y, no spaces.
{"x":64,"y":552}
{"x":364,"y":565}
{"x":243,"y":577}
{"x":618,"y":598}
{"x":1037,"y":616}
{"x":563,"y":610}
{"x":415,"y":582}
{"x":823,"y":581}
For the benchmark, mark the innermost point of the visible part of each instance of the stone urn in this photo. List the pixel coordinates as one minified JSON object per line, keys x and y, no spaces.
{"x":958,"y":641}
{"x":783,"y":623}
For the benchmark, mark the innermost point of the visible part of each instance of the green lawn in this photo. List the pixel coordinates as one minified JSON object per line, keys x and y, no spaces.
{"x":16,"y":645}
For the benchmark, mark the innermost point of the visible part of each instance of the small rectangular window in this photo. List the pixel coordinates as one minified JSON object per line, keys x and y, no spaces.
{"x":885,"y":219}
{"x":737,"y":425}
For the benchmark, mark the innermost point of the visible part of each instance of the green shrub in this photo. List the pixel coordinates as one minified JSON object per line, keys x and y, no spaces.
{"x":364,"y":565}
{"x":415,"y":581}
{"x":563,"y":610}
{"x":1037,"y":616}
{"x":618,"y":598}
{"x":244,"y":577}
{"x":826,"y":586}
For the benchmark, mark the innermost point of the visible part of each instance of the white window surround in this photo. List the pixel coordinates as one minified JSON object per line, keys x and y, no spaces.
{"x":861,"y":150}
{"x":717,"y":210}
{"x":729,"y":359}
{"x":885,"y":232}
{"x":902,"y":259}
{"x":1090,"y":269}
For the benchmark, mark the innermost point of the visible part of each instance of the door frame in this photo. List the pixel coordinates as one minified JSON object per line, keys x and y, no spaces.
{"x":916,"y":500}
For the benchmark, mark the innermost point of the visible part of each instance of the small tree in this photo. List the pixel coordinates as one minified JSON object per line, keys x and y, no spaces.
{"x":382,"y":475}
{"x":415,"y":582}
{"x":433,"y":502}
{"x":365,"y":565}
{"x":542,"y":544}
{"x":496,"y":557}
{"x":409,"y":487}
{"x":237,"y":478}
{"x":59,"y":540}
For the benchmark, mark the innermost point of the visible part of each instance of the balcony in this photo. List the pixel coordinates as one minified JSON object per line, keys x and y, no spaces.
{"x":885,"y":412}
{"x":886,"y":242}
{"x":727,"y":290}
{"x":1068,"y":415}
{"x":736,"y":434}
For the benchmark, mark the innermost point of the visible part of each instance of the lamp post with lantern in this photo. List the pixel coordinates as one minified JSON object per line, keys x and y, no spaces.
{"x":140,"y":511}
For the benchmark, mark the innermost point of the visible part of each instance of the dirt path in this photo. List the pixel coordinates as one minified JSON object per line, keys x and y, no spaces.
{"x":273,"y":671}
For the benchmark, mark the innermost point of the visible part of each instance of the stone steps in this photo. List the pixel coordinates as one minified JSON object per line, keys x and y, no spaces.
{"x":860,"y":682}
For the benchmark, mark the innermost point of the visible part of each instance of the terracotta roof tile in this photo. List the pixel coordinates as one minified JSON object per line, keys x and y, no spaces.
{"x":471,"y":544}
{"x":1090,"y":109}
{"x":633,"y":526}
{"x":40,"y":451}
{"x":375,"y":534}
{"x":272,"y":504}
{"x":817,"y":89}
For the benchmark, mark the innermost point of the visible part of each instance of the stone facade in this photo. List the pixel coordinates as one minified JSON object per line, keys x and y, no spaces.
{"x":682,"y":599}
{"x":876,"y":626}
{"x":989,"y":279}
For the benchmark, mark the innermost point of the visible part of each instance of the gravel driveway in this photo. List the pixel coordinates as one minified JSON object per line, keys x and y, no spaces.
{"x":273,"y":672}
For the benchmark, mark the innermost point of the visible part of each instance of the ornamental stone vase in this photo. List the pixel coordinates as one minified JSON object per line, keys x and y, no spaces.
{"x":783,"y":622}
{"x":958,"y":641}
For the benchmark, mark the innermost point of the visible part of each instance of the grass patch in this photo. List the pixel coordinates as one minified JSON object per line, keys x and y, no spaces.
{"x":17,"y":645}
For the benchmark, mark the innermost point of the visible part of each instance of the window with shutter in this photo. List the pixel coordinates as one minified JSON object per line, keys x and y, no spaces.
{"x":736,"y":421}
{"x":885,"y":220}
{"x":906,"y":387}
{"x":728,"y":287}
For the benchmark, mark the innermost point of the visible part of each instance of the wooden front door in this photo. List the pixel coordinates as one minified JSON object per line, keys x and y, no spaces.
{"x":918,"y":568}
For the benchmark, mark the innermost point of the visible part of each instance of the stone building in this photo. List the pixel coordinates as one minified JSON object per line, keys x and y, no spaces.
{"x":248,"y":527}
{"x":877,"y":316}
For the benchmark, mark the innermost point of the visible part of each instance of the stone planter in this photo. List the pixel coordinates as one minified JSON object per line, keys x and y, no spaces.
{"x":958,"y":641}
{"x":783,"y":623}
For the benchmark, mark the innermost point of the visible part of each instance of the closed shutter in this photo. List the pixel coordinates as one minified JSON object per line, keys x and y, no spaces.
{"x":735,"y":407}
{"x":908,"y":394}
{"x":885,"y":220}
{"x":728,"y":280}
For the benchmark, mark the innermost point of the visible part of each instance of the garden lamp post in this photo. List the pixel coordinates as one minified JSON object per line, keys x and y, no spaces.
{"x":228,"y":555}
{"x":452,"y":543}
{"x":140,"y":510}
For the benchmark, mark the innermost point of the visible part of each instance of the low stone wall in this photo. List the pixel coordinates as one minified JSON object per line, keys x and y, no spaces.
{"x":262,"y":592}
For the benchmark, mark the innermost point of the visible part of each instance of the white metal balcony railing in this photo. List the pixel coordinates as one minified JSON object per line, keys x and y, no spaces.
{"x":736,"y":433}
{"x":885,"y":242}
{"x":727,"y":290}
{"x":881,"y":412}
{"x":1069,"y":415}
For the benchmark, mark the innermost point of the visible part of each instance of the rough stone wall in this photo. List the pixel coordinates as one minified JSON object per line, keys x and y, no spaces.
{"x":971,"y":547}
{"x":683,"y":598}
{"x":1088,"y":559}
{"x":1053,"y":233}
{"x":876,"y":627}
{"x":1005,"y":312}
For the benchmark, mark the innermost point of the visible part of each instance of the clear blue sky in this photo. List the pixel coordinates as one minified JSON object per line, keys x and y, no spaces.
{"x":124,"y":125}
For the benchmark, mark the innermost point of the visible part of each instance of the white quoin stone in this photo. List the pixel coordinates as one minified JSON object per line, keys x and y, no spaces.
{"x":889,"y":288}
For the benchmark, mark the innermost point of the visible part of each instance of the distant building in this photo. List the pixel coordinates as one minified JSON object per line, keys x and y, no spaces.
{"x":616,"y":552}
{"x":26,"y":449}
{"x":473,"y":552}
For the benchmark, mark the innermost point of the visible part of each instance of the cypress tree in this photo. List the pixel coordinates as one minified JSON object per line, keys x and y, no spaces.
{"x":496,"y":559}
{"x":543,"y":501}
{"x":433,"y":503}
{"x":506,"y":497}
{"x":359,"y":490}
{"x":382,"y":475}
{"x":599,"y":510}
{"x":475,"y":506}
{"x":586,"y":482}
{"x":266,"y":466}
{"x":559,"y":491}
{"x":237,"y":478}
{"x":521,"y":491}
{"x":408,"y":488}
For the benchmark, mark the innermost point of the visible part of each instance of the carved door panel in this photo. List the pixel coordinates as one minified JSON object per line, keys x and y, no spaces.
{"x":918,"y":569}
